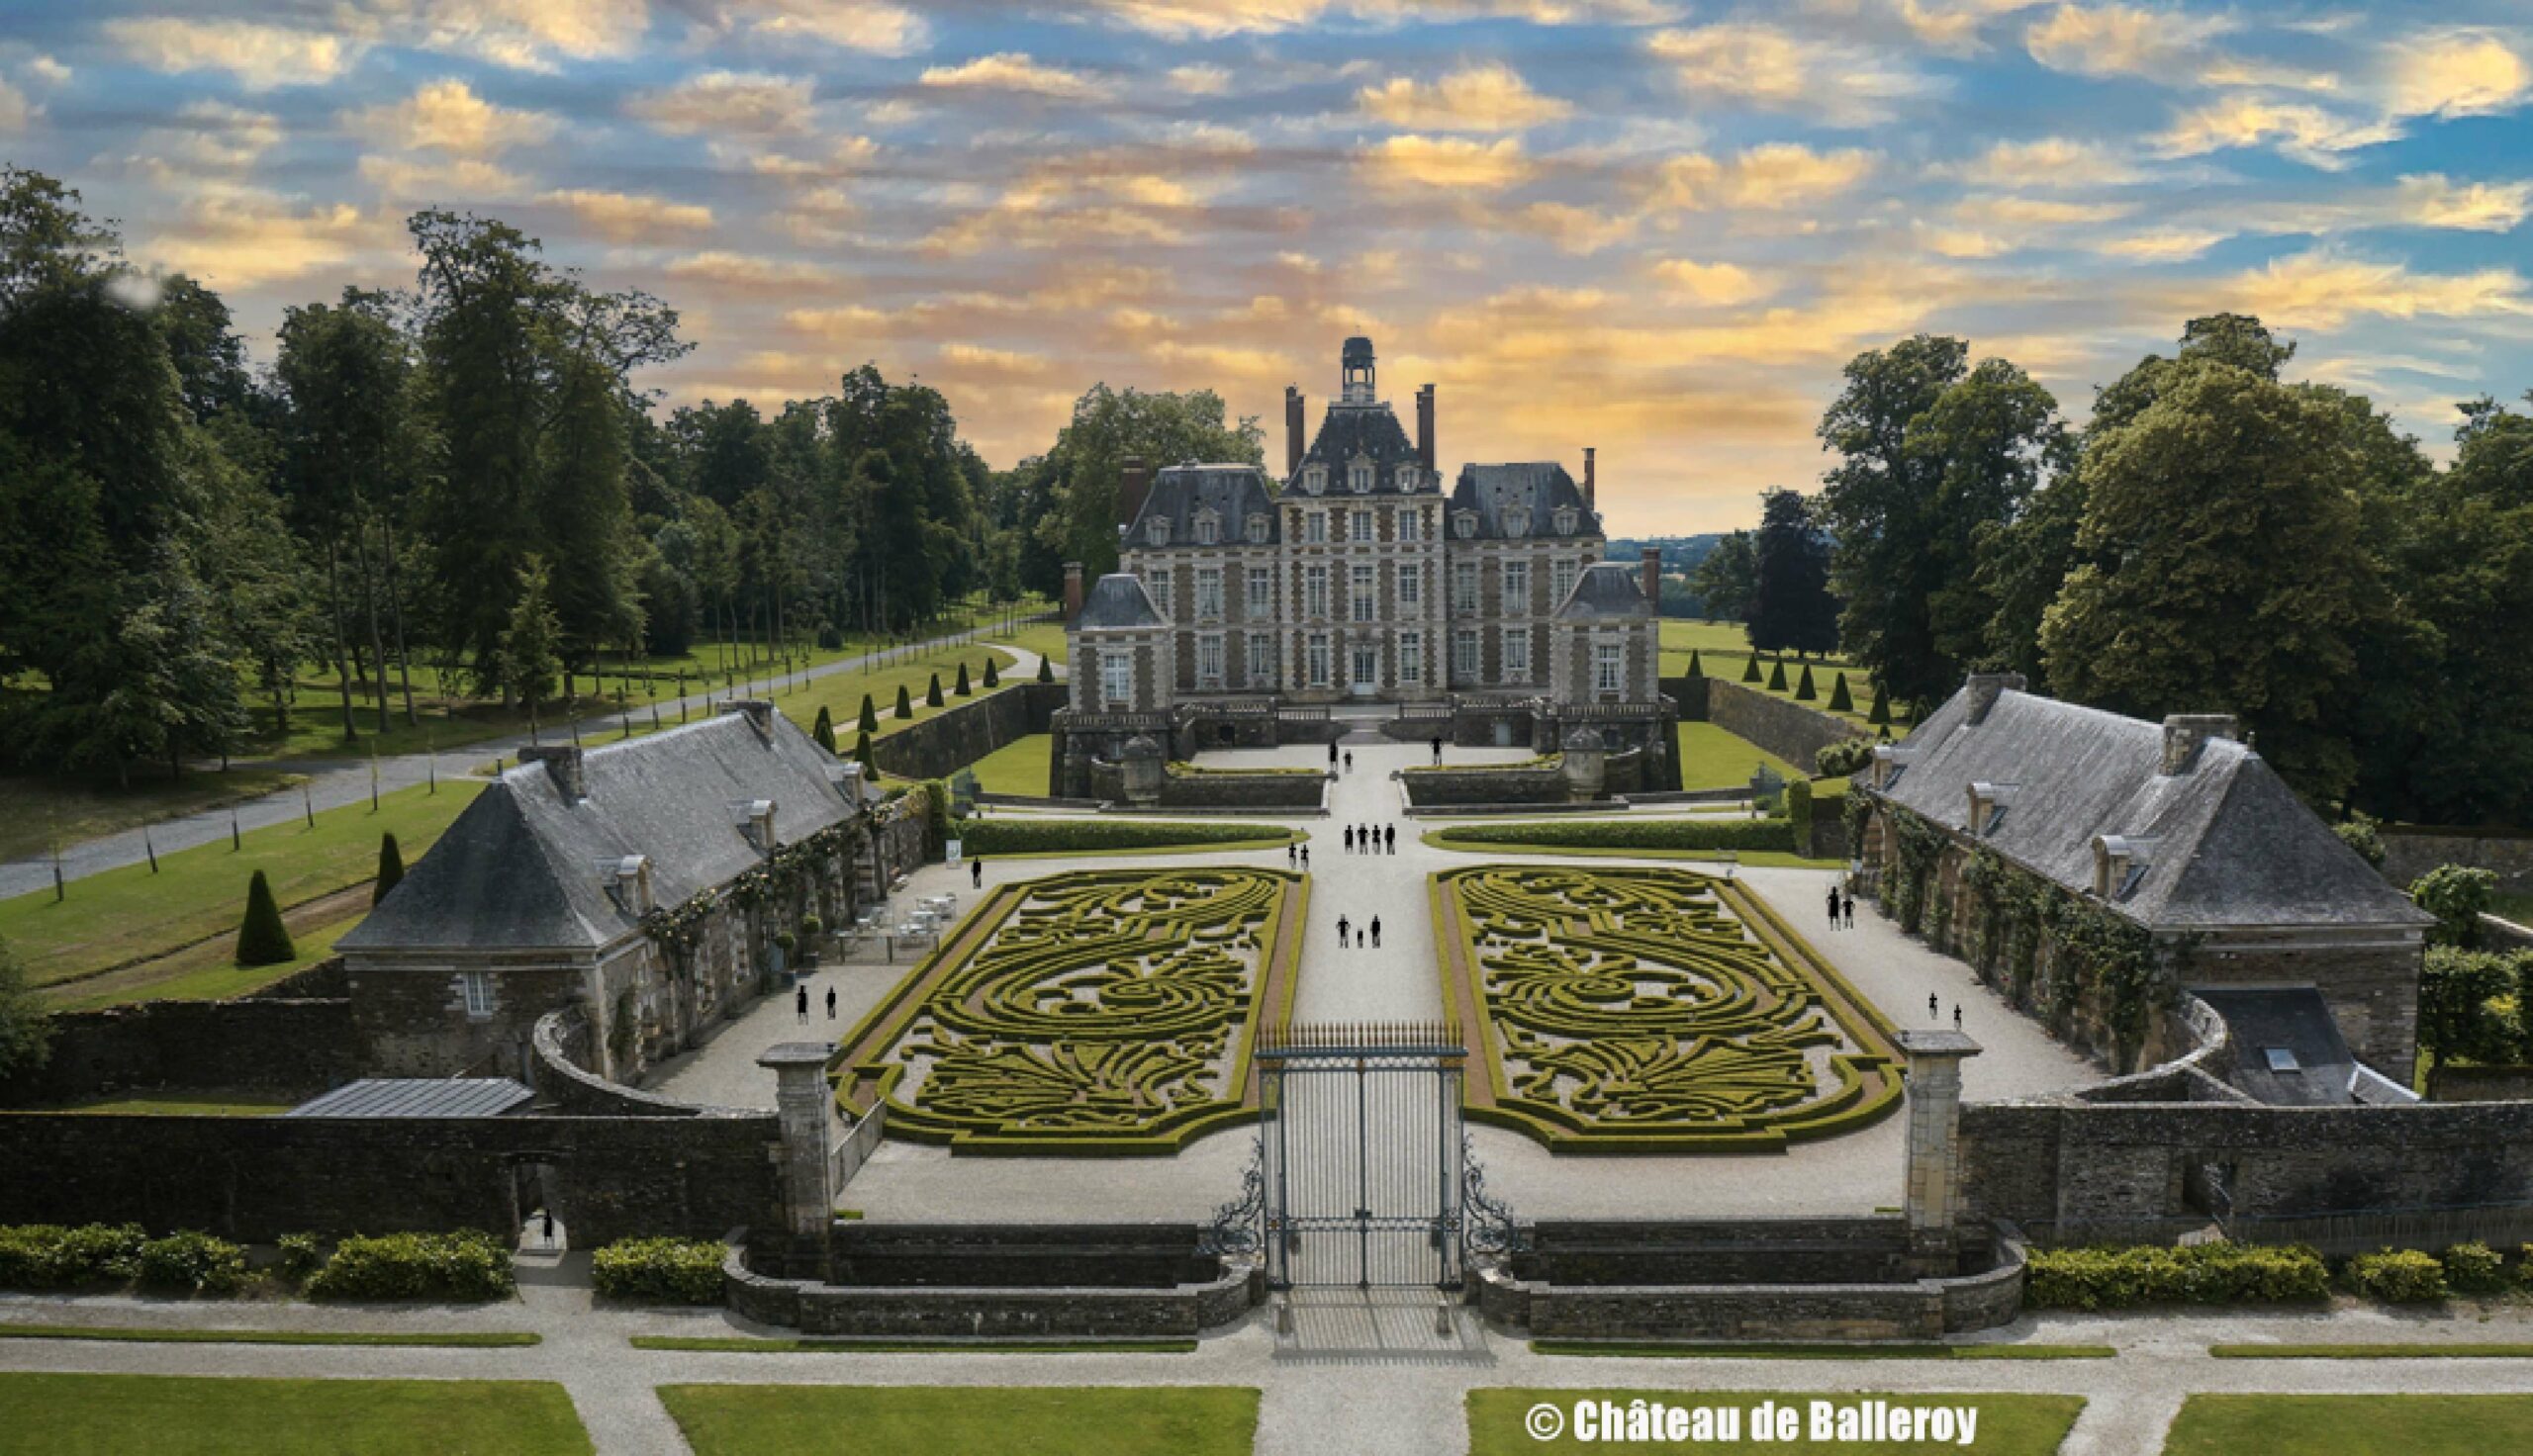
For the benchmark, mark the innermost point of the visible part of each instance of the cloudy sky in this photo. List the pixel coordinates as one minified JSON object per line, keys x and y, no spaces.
{"x":1656,"y":226}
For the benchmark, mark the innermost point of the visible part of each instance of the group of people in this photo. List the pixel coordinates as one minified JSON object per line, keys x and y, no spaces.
{"x":1371,"y":839}
{"x":801,"y":1003}
{"x":1348,"y":939}
{"x":1843,"y":910}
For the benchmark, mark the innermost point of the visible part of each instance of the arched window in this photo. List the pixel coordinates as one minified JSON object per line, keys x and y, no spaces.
{"x":1208,"y":528}
{"x":1157,"y":530}
{"x":1359,"y":477}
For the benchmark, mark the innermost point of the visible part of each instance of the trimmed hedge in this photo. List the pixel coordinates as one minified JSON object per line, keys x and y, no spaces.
{"x":468,"y":1265}
{"x":1844,"y":758}
{"x":2398,"y":1276}
{"x":659,"y":1271}
{"x":2475,"y":1269}
{"x":193,"y":1263}
{"x":2120,"y":1278}
{"x":1091,"y":836}
{"x":1634,"y":834}
{"x":51,"y":1256}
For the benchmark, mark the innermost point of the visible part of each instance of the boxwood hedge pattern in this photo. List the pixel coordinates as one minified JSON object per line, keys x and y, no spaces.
{"x":1653,"y":1010}
{"x":1099,"y":1011}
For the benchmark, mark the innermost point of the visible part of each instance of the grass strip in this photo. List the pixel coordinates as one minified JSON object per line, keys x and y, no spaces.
{"x":50,"y":1415}
{"x":964,"y":1420}
{"x":2351,"y":1425}
{"x":1822,"y":1350}
{"x":747,"y":1345}
{"x":475,"y":1341}
{"x":2413,"y":1350}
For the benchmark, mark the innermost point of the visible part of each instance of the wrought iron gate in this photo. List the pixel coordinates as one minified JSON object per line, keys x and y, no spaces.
{"x":1362,"y":1156}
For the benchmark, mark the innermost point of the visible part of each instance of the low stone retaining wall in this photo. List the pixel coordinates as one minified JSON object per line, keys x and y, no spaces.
{"x":1779,"y":1307}
{"x":2410,"y":853}
{"x":561,"y":1044}
{"x":1428,"y":789}
{"x":1236,"y":790}
{"x":948,"y":740}
{"x":1789,"y":730}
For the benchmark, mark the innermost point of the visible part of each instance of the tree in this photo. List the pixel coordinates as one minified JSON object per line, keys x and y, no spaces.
{"x":869,"y":721}
{"x":992,"y":682}
{"x":1931,"y":451}
{"x":1840,"y":702}
{"x":263,"y":939}
{"x":2457,"y":1017}
{"x":861,"y":756}
{"x":26,"y":1028}
{"x":1750,"y":669}
{"x":962,"y":687}
{"x":1881,"y":712}
{"x":1697,"y":668}
{"x":932,"y":695}
{"x":530,"y":646}
{"x":1791,"y":608}
{"x":1776,"y":676}
{"x":2456,"y":895}
{"x":1083,"y":469}
{"x":391,"y":868}
{"x":2362,"y":833}
{"x":1046,"y":669}
{"x":905,"y":703}
{"x":2240,"y":581}
{"x":824,"y":729}
{"x":1804,"y":692}
{"x":1727,"y":580}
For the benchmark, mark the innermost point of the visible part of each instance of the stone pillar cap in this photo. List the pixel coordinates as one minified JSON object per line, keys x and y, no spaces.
{"x":795,"y":1054}
{"x":1930,"y":1044}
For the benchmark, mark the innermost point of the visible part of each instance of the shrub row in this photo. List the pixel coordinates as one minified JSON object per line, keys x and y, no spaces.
{"x":468,"y":1265}
{"x":2118,"y":1278}
{"x":1634,"y":834}
{"x":1090,"y":836}
{"x":659,"y":1271}
{"x":51,"y":1256}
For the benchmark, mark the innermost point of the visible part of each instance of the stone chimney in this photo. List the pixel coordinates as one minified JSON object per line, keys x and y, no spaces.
{"x":1293,"y":444}
{"x":2185,"y":732}
{"x":1425,"y":424}
{"x":1589,"y":483}
{"x":1983,"y":688}
{"x":1134,"y":483}
{"x":1651,"y":567}
{"x":759,"y":712}
{"x":1073,"y":591}
{"x":562,"y":764}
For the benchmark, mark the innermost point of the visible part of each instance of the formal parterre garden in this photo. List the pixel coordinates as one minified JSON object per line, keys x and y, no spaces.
{"x":1100,"y":1012}
{"x":1653,"y":1010}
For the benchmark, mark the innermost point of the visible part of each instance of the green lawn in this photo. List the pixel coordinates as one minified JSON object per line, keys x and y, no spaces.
{"x":201,"y":1104}
{"x":171,"y":1416}
{"x":1047,"y":639}
{"x":118,"y":1334}
{"x":2008,"y":1425}
{"x":1829,"y":1350}
{"x":1723,"y":648}
{"x":38,"y":814}
{"x":1715,"y":758}
{"x":1018,"y":767}
{"x":2352,"y":1425}
{"x":746,"y":1345}
{"x":841,"y":693}
{"x":121,"y":915}
{"x":960,"y":1421}
{"x":2515,"y":905}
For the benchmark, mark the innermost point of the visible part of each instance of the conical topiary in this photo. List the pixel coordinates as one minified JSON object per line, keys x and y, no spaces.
{"x":1696,"y":669}
{"x":1751,"y":668}
{"x":1839,"y":700}
{"x":825,"y":730}
{"x":1046,"y":669}
{"x":262,"y":940}
{"x":905,"y":703}
{"x":991,"y":682}
{"x":932,"y":695}
{"x":1881,"y":705}
{"x":391,"y":868}
{"x":861,"y":756}
{"x":869,"y":722}
{"x":961,"y":687}
{"x":1776,"y":676}
{"x":1804,"y":692}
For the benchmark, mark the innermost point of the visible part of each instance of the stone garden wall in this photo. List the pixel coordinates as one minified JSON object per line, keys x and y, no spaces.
{"x":255,"y":1178}
{"x":252,"y":1044}
{"x":1436,"y":787}
{"x":2411,"y":852}
{"x":941,"y":745}
{"x":1789,"y":730}
{"x":1203,"y":789}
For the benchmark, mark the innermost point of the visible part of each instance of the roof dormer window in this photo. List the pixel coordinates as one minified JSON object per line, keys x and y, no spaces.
{"x":1208,"y":528}
{"x":1517,"y":520}
{"x":1566,"y":519}
{"x":1406,"y":478}
{"x":1258,"y":525}
{"x":1157,"y":530}
{"x":627,"y":879}
{"x":1359,"y":476}
{"x":1315,"y":479}
{"x":1463,"y":523}
{"x":755,"y":821}
{"x":1988,"y":804}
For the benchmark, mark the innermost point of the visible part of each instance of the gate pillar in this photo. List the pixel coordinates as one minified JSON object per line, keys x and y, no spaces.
{"x":804,"y":1109}
{"x":1930,"y":1188}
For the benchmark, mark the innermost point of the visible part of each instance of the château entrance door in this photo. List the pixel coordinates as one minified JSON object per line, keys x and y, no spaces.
{"x":1367,"y":669}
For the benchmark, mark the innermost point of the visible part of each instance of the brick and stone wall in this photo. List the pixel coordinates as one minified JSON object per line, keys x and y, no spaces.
{"x":288,"y":1047}
{"x":939,"y":745}
{"x":2410,"y":853}
{"x":258,"y":1178}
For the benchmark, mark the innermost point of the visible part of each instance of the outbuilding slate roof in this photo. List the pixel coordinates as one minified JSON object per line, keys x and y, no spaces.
{"x":417,"y":1096}
{"x":1117,"y":600}
{"x":2227,"y":843}
{"x":2296,"y":1021}
{"x":1537,"y":486}
{"x":1233,"y":492}
{"x":519,"y":869}
{"x":1605,"y":590}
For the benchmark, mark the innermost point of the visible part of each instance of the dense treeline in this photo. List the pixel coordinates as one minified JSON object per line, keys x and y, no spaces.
{"x":462,"y":482}
{"x":2219,"y":537}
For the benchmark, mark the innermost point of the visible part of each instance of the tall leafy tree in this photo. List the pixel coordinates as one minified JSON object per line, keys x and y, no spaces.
{"x":1791,"y":608}
{"x":1726,"y":579}
{"x":1108,"y":427}
{"x":532,"y":643}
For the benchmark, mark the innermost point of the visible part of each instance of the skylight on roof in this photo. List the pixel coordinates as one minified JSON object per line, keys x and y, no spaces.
{"x":2281,"y":1059}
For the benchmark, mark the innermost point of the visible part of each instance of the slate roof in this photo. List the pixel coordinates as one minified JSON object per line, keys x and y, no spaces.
{"x":1117,"y":600}
{"x":1539,"y":485}
{"x":2230,"y":845}
{"x":1349,"y":430}
{"x":417,"y":1096}
{"x":1606,"y":590}
{"x":520,"y":868}
{"x":1233,"y":491}
{"x":2294,"y":1020}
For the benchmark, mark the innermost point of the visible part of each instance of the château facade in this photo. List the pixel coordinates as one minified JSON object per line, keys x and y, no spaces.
{"x":1359,"y":580}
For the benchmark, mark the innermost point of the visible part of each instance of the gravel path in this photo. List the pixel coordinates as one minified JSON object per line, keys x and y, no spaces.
{"x":1355,"y":1378}
{"x":336,"y":783}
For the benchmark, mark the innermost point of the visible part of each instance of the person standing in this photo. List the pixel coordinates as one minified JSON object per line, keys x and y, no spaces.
{"x":1848,"y":911}
{"x":977,"y":873}
{"x":1389,"y":837}
{"x":1956,"y":1016}
{"x":1376,"y":932}
{"x":1350,"y":839}
{"x":801,"y":1004}
{"x":1331,"y":755}
{"x":1935,"y":1007}
{"x":831,"y":1003}
{"x":1342,"y":926}
{"x":1438,"y":750}
{"x":1350,"y":760}
{"x":1292,"y":856}
{"x":1305,"y":858}
{"x":1833,"y":907}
